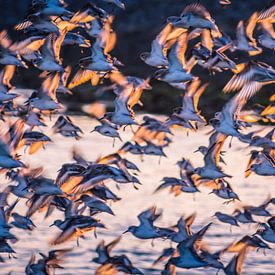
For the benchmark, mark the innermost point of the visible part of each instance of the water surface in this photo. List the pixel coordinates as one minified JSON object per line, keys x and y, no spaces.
{"x":252,"y":191}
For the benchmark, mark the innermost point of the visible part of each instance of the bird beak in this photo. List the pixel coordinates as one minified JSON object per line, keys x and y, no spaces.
{"x":52,"y":225}
{"x":196,"y":151}
{"x":125,"y":231}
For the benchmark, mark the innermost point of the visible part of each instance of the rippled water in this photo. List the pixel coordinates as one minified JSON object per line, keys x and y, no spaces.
{"x":253,"y":190}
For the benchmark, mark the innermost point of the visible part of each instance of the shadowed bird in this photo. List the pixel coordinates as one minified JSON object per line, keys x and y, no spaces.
{"x":7,"y":160}
{"x":267,"y":230}
{"x":104,"y":193}
{"x":227,"y":121}
{"x":266,"y":142}
{"x":243,"y":216}
{"x":47,"y":264}
{"x":104,"y":251}
{"x":75,"y":227}
{"x":22,"y":222}
{"x":146,"y":229}
{"x":188,"y":254}
{"x":107,"y":128}
{"x":253,"y":242}
{"x":123,"y":113}
{"x":120,"y":264}
{"x":95,"y":205}
{"x":66,"y":128}
{"x":225,"y":218}
{"x":8,"y":56}
{"x":44,"y":186}
{"x":22,"y":177}
{"x":267,"y":38}
{"x":49,"y":52}
{"x":203,"y":150}
{"x":6,"y":75}
{"x":264,"y":168}
{"x":98,"y":60}
{"x":225,"y":191}
{"x":182,"y":229}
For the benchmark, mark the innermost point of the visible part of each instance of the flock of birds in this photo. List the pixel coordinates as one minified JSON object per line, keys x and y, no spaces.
{"x":80,"y":189}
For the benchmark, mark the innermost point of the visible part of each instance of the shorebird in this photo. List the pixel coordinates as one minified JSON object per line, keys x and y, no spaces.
{"x":189,"y":109}
{"x":243,"y":216}
{"x":177,"y":71}
{"x":250,"y":79}
{"x":267,"y":230}
{"x":183,"y":229}
{"x":34,"y":140}
{"x":245,"y":40}
{"x":157,"y":56}
{"x":75,"y":227}
{"x":7,"y":158}
{"x":196,"y":16}
{"x":188,"y":255}
{"x":146,"y":229}
{"x":211,"y":169}
{"x":104,"y":251}
{"x":226,"y":218}
{"x":22,"y":222}
{"x":95,"y":205}
{"x":47,"y":264}
{"x":66,"y":128}
{"x":107,"y":128}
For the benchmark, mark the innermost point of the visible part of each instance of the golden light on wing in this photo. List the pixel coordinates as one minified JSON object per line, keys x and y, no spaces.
{"x":118,"y":78}
{"x":83,"y":76}
{"x":240,"y":260}
{"x":250,"y":26}
{"x":207,"y":39}
{"x":70,"y":184}
{"x":35,"y":146}
{"x":181,"y":48}
{"x":198,"y":94}
{"x":57,"y":44}
{"x":8,"y":74}
{"x":162,"y":36}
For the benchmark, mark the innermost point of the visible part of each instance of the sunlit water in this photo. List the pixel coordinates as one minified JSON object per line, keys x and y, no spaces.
{"x":253,"y":190}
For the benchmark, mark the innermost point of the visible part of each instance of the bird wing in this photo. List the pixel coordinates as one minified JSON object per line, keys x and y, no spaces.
{"x":249,"y":90}
{"x":212,"y":157}
{"x":83,"y":76}
{"x":8,"y":74}
{"x":267,"y":26}
{"x":162,"y":36}
{"x":250,"y":26}
{"x":239,"y":79}
{"x":198,"y":94}
{"x":206,"y":39}
{"x":197,"y":9}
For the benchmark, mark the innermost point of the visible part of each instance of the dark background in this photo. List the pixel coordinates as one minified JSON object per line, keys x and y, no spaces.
{"x":136,"y":27}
